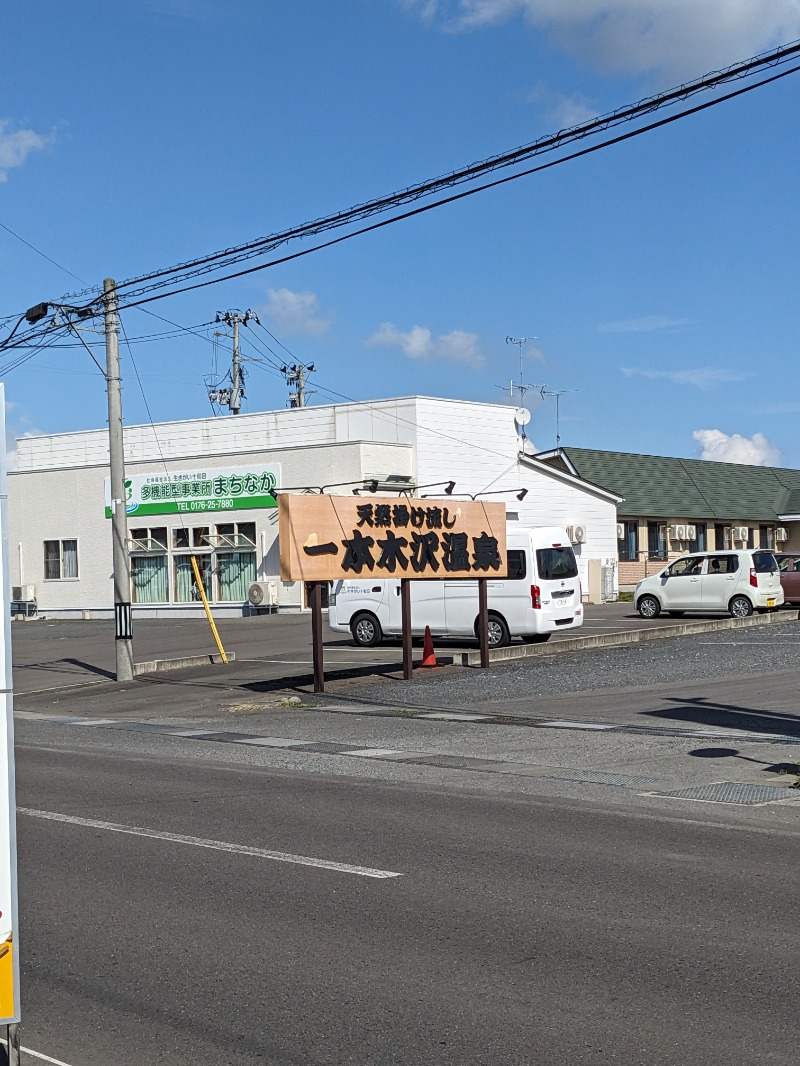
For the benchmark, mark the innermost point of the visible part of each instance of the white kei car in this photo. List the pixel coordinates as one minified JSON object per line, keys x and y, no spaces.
{"x":737,"y":582}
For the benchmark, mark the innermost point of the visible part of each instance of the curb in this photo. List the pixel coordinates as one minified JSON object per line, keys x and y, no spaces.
{"x":635,"y":636}
{"x":161,"y":666}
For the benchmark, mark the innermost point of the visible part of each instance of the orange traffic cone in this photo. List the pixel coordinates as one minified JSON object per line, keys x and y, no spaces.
{"x":428,"y":654}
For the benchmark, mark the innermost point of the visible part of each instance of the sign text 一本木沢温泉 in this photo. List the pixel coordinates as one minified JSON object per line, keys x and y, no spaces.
{"x":325,"y":538}
{"x":204,"y":489}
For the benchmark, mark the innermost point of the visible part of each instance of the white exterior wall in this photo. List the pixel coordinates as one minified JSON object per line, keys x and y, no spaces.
{"x":68,"y":504}
{"x":492,"y":463}
{"x":57,"y":491}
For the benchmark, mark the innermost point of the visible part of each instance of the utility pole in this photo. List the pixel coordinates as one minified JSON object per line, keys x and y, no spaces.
{"x":296,"y":375}
{"x":119,"y":516}
{"x":232,"y":397}
{"x":236,"y":391}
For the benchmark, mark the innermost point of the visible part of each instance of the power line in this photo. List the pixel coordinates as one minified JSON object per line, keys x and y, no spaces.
{"x":40,"y":252}
{"x":129,"y":302}
{"x":162,"y":279}
{"x":261,"y":246}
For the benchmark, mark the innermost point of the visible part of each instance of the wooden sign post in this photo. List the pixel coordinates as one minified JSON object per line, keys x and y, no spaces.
{"x":483,"y":621}
{"x":405,"y":605}
{"x":332,"y":538}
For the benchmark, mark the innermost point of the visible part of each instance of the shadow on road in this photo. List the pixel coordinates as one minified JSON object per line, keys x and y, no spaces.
{"x":734,"y":753}
{"x":701,"y":711}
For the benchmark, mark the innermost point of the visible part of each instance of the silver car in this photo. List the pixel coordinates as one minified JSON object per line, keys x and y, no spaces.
{"x":737,"y":582}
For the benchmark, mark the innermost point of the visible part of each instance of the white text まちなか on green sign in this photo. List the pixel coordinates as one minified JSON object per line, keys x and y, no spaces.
{"x":190,"y":491}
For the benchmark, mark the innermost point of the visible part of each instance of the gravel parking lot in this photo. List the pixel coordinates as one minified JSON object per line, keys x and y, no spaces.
{"x":710,"y":657}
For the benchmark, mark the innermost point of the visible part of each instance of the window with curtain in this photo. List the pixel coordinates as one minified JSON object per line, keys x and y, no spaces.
{"x":149,"y":578}
{"x":698,"y":544}
{"x":656,"y":540}
{"x":236,"y":572}
{"x":60,"y":559}
{"x":186,"y":590}
{"x":628,"y":545}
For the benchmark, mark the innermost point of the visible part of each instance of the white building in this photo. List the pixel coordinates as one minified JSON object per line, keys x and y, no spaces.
{"x":201,"y":488}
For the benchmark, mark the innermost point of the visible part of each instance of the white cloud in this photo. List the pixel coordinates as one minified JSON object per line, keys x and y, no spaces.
{"x":722,"y":448}
{"x":645,"y":324}
{"x":702,"y":377}
{"x":562,"y":111}
{"x":681,"y":37}
{"x":295,"y":312}
{"x":17,"y":145}
{"x":419,"y":343}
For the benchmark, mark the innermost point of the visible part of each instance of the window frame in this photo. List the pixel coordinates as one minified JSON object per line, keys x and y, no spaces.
{"x":61,"y":542}
{"x":630,"y":537}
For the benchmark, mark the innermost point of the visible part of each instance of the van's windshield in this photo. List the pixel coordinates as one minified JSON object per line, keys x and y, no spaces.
{"x":553,"y":563}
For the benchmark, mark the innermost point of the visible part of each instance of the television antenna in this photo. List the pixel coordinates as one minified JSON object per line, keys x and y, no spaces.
{"x":557,"y":393}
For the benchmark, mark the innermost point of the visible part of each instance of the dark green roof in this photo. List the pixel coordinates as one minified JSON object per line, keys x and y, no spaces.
{"x":693,"y":488}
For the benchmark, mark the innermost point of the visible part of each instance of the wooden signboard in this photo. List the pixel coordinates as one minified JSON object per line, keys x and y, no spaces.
{"x":325,"y":538}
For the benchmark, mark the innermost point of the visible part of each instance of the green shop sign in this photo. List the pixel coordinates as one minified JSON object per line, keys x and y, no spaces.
{"x":191,"y":491}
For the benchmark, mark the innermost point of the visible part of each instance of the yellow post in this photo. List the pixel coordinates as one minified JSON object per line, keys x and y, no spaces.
{"x":209,"y":616}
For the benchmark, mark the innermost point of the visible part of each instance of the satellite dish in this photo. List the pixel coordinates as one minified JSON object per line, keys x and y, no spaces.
{"x":522,"y":416}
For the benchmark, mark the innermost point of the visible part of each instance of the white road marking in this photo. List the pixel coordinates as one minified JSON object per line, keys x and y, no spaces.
{"x":373,"y":753}
{"x":214,"y":845}
{"x":448,"y":716}
{"x":37,"y":1055}
{"x":188,"y":732}
{"x":578,"y":725}
{"x":274,"y":742}
{"x":94,"y":721}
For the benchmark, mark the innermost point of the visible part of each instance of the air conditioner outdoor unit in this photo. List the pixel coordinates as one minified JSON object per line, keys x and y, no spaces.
{"x":781,"y":535}
{"x":577,"y":534}
{"x":620,"y":530}
{"x":262,"y":594}
{"x":741,"y":532}
{"x":691,"y":532}
{"x":677,"y":532}
{"x":23,"y":592}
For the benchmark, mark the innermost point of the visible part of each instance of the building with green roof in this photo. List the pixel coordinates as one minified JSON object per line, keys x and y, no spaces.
{"x":672,"y":506}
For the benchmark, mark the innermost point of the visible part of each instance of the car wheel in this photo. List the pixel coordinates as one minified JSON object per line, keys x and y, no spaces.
{"x":366,"y":630}
{"x":535,"y":638}
{"x":648,"y":607}
{"x":740,"y":607}
{"x":498,"y":632}
{"x":676,"y":614}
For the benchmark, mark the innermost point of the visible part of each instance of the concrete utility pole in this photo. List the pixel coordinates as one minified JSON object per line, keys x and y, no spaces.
{"x":296,"y":375}
{"x":235,"y":402}
{"x":232,"y":397}
{"x":119,"y":515}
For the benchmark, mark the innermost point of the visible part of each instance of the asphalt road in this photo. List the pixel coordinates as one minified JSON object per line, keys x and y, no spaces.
{"x":53,"y":654}
{"x":519,"y":930}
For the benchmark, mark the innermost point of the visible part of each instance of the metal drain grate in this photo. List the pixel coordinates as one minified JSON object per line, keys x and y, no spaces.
{"x":734,"y":792}
{"x":600,"y":777}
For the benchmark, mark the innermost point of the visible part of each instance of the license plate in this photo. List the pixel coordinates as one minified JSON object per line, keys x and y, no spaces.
{"x":770,"y":603}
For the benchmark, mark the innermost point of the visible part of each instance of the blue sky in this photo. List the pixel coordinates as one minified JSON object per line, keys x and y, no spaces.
{"x":658,"y":276}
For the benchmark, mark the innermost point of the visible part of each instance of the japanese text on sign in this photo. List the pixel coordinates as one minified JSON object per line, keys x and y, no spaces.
{"x":324,"y":538}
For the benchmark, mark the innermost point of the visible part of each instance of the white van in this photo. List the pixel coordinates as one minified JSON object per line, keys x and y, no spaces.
{"x":542,"y":593}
